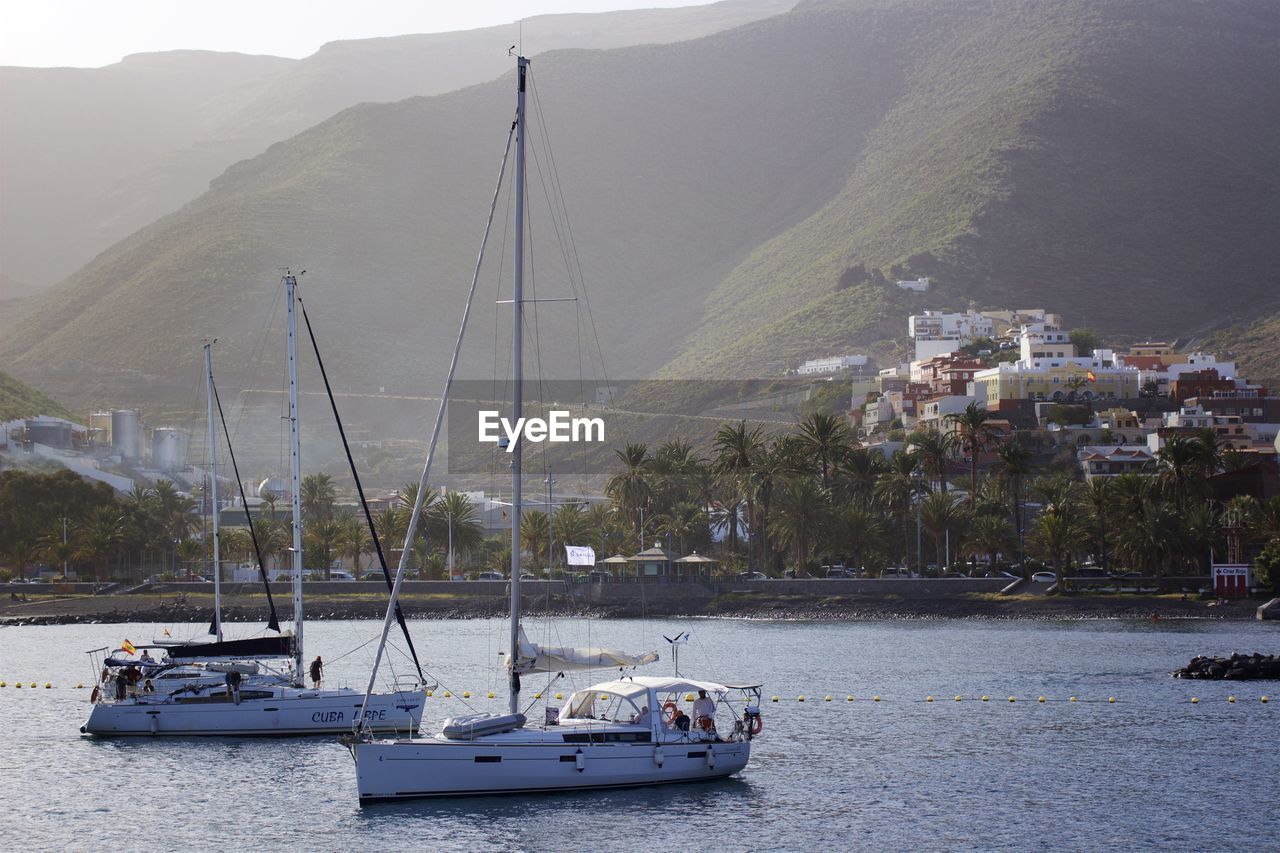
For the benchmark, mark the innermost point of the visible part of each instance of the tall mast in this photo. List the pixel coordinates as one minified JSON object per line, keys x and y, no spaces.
{"x":517,"y":398}
{"x":295,"y":470}
{"x":213,"y":493}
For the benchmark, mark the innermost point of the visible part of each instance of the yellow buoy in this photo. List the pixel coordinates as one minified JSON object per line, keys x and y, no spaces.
{"x":928,"y":698}
{"x":1012,"y":699}
{"x":1264,"y":698}
{"x":688,"y":697}
{"x":1194,"y":700}
{"x":2,"y":684}
{"x":430,"y":694}
{"x":559,"y":695}
{"x":800,"y":698}
{"x":826,"y":698}
{"x":1041,"y":699}
{"x":47,"y":685}
{"x":537,"y":696}
{"x":1231,"y":699}
{"x":33,"y":684}
{"x":1111,"y":699}
{"x":1072,"y":699}
{"x":875,"y":698}
{"x":957,"y":698}
{"x":603,"y":697}
{"x":773,"y":698}
{"x":79,"y":685}
{"x":466,"y":694}
{"x":18,"y":685}
{"x":985,"y":698}
{"x":489,"y":695}
{"x":448,"y":695}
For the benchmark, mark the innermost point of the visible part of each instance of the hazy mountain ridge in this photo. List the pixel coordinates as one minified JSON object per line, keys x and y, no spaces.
{"x":87,"y":161}
{"x":1070,"y":155}
{"x":18,"y":400}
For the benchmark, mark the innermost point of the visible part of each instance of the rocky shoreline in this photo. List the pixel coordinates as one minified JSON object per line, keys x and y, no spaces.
{"x":132,"y":609}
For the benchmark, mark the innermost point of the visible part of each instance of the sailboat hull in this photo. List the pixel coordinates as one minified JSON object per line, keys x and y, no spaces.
{"x":287,"y":711}
{"x":398,"y":770}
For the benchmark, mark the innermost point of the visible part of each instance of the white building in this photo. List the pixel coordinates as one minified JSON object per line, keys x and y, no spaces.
{"x":919,"y":285}
{"x":835,"y":364}
{"x":938,"y":333}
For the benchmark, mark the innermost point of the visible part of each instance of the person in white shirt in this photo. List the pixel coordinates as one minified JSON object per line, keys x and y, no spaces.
{"x":704,"y":707}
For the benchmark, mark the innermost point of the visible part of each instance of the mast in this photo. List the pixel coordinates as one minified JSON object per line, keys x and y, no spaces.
{"x":517,"y":397}
{"x":213,"y":493}
{"x":295,"y":470}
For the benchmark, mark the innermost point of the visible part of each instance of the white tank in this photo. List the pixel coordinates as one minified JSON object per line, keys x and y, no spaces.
{"x":168,"y":449}
{"x":278,"y":486}
{"x":126,"y":434}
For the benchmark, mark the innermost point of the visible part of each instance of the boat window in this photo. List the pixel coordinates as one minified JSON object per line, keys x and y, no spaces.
{"x":606,"y":707}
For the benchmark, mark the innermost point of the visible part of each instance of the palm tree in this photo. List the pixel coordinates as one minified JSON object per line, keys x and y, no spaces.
{"x":23,"y":551}
{"x":275,"y":538}
{"x":55,"y":545}
{"x":322,"y":538}
{"x":570,"y":526}
{"x":317,"y":496}
{"x":1200,"y":527}
{"x":1075,"y":384}
{"x":1097,"y":494}
{"x":354,"y":541}
{"x":824,"y":439}
{"x":932,"y":449}
{"x":737,"y":447}
{"x":1180,"y":462}
{"x":686,"y":524}
{"x":1151,"y":538}
{"x":799,"y":517}
{"x":270,"y":499}
{"x":391,"y":523}
{"x":533,"y":535}
{"x":857,"y":532}
{"x":453,"y":515}
{"x":727,"y":517}
{"x":98,"y":537}
{"x":630,"y":489}
{"x":1056,"y":535}
{"x":991,"y":535}
{"x":974,"y":435}
{"x":896,"y":491}
{"x":939,"y":515}
{"x":1211,"y":451}
{"x":1013,"y":466}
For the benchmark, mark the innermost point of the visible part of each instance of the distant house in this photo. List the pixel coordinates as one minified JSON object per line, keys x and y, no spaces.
{"x":1108,"y":461}
{"x":835,"y":364}
{"x":919,"y":285}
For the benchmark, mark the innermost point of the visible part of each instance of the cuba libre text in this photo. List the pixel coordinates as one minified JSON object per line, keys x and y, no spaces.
{"x":559,"y":426}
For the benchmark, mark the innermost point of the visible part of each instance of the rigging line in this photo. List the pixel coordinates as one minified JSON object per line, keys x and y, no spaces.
{"x":355,"y":475}
{"x":555,"y":182}
{"x":412,"y":526}
{"x":273,"y":622}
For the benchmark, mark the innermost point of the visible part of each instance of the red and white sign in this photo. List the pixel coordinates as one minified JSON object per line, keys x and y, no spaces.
{"x":1231,"y":579}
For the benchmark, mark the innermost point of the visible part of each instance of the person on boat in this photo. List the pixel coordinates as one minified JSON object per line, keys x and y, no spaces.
{"x":146,"y":657}
{"x":704,"y":708}
{"x":233,"y":686}
{"x":642,"y":717}
{"x":122,"y":685}
{"x":317,"y":671}
{"x":680,"y":721}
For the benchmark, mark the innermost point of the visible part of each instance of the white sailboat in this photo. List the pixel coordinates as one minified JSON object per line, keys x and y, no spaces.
{"x":240,"y":687}
{"x":625,"y":732}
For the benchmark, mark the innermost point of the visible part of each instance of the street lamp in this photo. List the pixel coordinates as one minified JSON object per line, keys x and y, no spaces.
{"x":918,"y":476}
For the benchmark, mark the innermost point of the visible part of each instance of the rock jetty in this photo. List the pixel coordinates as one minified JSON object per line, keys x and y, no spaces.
{"x":1238,"y":667}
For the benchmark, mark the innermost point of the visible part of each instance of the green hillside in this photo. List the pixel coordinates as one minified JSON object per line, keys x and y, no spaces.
{"x":21,"y":401}
{"x":1115,"y":160}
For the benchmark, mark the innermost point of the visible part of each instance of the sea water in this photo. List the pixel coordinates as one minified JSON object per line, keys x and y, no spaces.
{"x":1150,"y":769}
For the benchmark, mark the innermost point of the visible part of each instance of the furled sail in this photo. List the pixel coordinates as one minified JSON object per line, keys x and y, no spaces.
{"x":535,"y":658}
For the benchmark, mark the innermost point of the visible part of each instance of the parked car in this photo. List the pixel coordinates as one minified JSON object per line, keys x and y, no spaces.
{"x":490,"y":576}
{"x":1044,"y":577}
{"x":525,"y":576}
{"x":895,"y":572}
{"x":338,"y":575}
{"x":752,"y":576}
{"x":840,"y":572}
{"x":600,"y":576}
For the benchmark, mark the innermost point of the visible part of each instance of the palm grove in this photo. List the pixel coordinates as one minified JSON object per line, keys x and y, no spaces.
{"x":765,"y":502}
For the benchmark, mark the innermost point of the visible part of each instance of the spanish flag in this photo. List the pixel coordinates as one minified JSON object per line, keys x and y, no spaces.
{"x":128,"y":647}
{"x":1091,"y":376}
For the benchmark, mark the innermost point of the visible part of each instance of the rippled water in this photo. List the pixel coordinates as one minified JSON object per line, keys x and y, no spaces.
{"x":1151,"y":769}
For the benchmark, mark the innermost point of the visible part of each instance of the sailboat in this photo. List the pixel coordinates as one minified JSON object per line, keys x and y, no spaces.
{"x":628,"y":731}
{"x":253,"y":686}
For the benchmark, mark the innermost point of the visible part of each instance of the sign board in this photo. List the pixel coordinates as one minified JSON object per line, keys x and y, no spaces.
{"x":580,"y":555}
{"x":1232,"y":579}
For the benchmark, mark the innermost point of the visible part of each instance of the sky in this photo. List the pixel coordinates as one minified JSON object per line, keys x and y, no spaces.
{"x":93,"y":33}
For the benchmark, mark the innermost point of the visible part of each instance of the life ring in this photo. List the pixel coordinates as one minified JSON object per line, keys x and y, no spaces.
{"x":706,"y":724}
{"x":757,"y":725}
{"x":95,"y":695}
{"x":669,"y":712}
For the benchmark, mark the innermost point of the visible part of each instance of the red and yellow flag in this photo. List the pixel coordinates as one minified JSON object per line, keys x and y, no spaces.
{"x":1091,"y":376}
{"x":128,"y":647}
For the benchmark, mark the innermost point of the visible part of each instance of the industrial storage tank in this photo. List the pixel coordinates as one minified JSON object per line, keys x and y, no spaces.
{"x":50,"y":432}
{"x":169,"y":449}
{"x":100,"y":429}
{"x":126,"y":433}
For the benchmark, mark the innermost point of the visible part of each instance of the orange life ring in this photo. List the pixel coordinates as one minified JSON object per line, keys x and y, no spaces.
{"x":757,"y":725}
{"x":95,"y":695}
{"x":706,"y":724}
{"x":669,"y":712}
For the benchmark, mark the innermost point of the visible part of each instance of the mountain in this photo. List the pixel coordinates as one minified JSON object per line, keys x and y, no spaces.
{"x":1115,"y":160}
{"x":21,"y":401}
{"x":88,"y":160}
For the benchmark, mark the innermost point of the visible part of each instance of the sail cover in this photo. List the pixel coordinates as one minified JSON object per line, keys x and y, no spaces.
{"x":535,"y":658}
{"x":257,"y":647}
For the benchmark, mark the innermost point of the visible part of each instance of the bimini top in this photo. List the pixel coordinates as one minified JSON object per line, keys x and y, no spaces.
{"x":634,"y":688}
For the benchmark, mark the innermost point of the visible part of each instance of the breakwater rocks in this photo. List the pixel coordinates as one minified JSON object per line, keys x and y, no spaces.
{"x":1235,"y":668}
